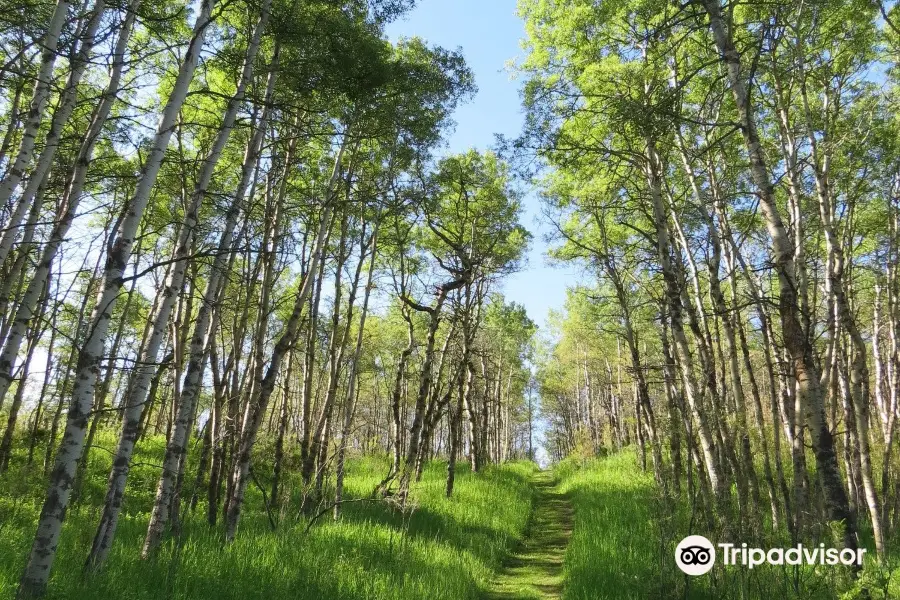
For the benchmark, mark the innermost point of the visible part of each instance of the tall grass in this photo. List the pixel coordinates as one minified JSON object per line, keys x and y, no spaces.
{"x":446,"y":549}
{"x":625,"y":534}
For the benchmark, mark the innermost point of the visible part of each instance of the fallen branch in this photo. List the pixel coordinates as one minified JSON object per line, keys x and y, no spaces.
{"x":265,"y":499}
{"x":331,"y":507}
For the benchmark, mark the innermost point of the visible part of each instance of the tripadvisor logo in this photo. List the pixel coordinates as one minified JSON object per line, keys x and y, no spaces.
{"x":696,"y":555}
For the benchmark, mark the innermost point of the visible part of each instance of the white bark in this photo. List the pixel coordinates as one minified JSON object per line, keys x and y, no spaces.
{"x":857,"y":361}
{"x":351,"y":392}
{"x":810,"y":398}
{"x":204,"y":328}
{"x":43,"y":551}
{"x":264,"y":388}
{"x":71,"y":199}
{"x":51,"y":143}
{"x":682,"y":347}
{"x":35,"y":112}
{"x":147,"y":364}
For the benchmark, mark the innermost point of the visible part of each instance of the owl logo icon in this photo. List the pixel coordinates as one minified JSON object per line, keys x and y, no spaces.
{"x":695,"y":555}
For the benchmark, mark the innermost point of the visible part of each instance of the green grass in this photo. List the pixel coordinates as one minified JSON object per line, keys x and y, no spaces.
{"x":625,"y":534}
{"x":621,"y":545}
{"x":447,"y":549}
{"x":614,"y":551}
{"x":535,"y":570}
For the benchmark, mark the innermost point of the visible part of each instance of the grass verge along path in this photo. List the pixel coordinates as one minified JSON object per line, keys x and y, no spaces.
{"x":626,"y":531}
{"x":446,"y":549}
{"x":535,"y":570}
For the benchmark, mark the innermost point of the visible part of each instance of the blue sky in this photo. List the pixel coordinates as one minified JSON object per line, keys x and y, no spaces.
{"x":488,"y":31}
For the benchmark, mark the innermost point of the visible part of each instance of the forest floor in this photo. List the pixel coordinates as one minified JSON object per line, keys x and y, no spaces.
{"x":535,"y":569}
{"x":445,"y":549}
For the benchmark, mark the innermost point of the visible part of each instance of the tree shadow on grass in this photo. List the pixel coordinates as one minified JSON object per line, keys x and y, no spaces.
{"x":340,"y":562}
{"x":447,"y":552}
{"x":619,"y":550}
{"x":461,"y":520}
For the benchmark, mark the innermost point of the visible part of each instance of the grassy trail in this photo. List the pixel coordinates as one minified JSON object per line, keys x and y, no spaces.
{"x":535,"y":570}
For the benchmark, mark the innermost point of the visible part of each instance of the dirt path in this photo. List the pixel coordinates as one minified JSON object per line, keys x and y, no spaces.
{"x":535,"y":570}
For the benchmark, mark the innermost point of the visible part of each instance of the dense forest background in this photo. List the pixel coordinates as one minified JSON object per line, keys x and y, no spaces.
{"x":253,"y":335}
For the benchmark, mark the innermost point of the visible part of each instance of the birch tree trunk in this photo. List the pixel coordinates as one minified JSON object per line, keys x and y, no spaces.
{"x":35,"y":114}
{"x":455,"y":425}
{"x":396,"y":398}
{"x":337,"y":342}
{"x":858,"y":364}
{"x":285,"y":342}
{"x":43,"y":552}
{"x":673,"y":295}
{"x":354,"y":367}
{"x":795,"y":340}
{"x":70,"y":202}
{"x":720,"y":307}
{"x":136,"y":399}
{"x":204,"y":330}
{"x":6,"y":443}
{"x":61,"y":116}
{"x":412,"y":450}
{"x":309,"y":368}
